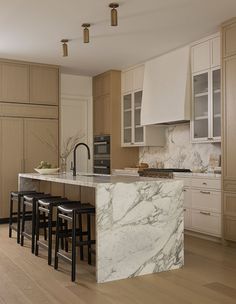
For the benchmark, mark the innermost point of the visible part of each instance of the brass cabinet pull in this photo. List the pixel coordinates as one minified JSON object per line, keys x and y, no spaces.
{"x":205,"y":192}
{"x":204,"y":183}
{"x":184,"y":190}
{"x":205,"y":213}
{"x":184,"y":209}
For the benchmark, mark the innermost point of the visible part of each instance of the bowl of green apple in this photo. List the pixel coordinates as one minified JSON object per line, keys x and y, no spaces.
{"x":46,"y":168}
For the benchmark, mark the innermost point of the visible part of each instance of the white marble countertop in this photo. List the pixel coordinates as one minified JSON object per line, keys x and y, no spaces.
{"x":88,"y":179}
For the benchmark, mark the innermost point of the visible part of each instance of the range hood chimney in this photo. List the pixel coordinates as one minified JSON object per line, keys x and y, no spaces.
{"x":166,"y":89}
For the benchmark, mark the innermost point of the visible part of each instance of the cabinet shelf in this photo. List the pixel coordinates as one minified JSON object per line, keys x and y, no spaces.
{"x":127,"y":110}
{"x":127,"y":128}
{"x":200,"y":94}
{"x":137,"y":108}
{"x":201,"y":117}
{"x":217,"y":115}
{"x":217,"y":91}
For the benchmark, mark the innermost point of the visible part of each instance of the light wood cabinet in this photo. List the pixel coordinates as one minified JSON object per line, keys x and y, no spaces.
{"x":11,"y":159}
{"x":40,"y":142}
{"x":44,"y":83}
{"x":229,"y":126}
{"x":107,"y":117}
{"x":14,"y":82}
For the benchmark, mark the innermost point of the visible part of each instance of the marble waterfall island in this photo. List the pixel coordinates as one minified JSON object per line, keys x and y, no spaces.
{"x":139,"y":222}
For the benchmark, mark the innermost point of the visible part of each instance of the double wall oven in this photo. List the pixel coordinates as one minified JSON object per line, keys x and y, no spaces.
{"x":101,"y":163}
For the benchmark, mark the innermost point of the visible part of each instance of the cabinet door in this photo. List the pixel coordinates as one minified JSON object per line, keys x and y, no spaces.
{"x":230,"y":228}
{"x":138,"y":129}
{"x":201,"y":57}
{"x":216,"y":103}
{"x":102,"y":115}
{"x":40,"y":142}
{"x":229,"y":40}
{"x":44,"y":85}
{"x":138,"y":78}
{"x":11,"y":159}
{"x":229,"y":166}
{"x":127,"y":81}
{"x":215,"y":53}
{"x":201,"y":99}
{"x":127,"y":119}
{"x":14,"y":82}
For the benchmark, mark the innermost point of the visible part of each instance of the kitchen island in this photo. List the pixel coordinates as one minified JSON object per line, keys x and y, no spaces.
{"x":139,"y":222}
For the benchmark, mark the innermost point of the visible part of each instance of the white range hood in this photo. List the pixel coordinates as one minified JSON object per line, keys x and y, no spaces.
{"x":166,"y":89}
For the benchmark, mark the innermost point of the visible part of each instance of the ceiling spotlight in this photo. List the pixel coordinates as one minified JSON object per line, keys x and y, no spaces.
{"x":86,"y":32}
{"x":65,"y":47}
{"x":114,"y":15}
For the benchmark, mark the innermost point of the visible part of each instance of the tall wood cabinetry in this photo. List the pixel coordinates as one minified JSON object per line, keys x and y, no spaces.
{"x":229,"y":127}
{"x":107,"y":117}
{"x":28,"y":122}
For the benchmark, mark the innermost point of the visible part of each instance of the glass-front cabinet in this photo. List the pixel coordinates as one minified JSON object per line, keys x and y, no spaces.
{"x":206,"y":122}
{"x":133,"y":132}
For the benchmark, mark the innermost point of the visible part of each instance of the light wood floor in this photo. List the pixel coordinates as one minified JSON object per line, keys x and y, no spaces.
{"x":209,"y":276}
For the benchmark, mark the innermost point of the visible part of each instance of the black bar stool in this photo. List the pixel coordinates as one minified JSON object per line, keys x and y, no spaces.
{"x":31,"y":201}
{"x":71,"y":212}
{"x":46,"y":206}
{"x":15,"y":216}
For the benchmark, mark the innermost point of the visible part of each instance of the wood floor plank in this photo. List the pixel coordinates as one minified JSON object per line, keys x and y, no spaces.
{"x":208,"y":277}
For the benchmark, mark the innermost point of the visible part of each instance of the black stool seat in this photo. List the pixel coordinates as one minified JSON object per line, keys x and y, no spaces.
{"x":15,"y":216}
{"x":21,"y":193}
{"x":52,"y":201}
{"x":31,"y":201}
{"x":73,"y":212}
{"x":77,"y":207}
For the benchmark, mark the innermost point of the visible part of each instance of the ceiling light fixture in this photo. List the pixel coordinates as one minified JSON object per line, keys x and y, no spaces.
{"x":114,"y":14}
{"x":65,"y":47}
{"x":86,"y":32}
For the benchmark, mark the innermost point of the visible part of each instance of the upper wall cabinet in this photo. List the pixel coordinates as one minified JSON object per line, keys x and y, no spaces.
{"x":206,"y":55}
{"x":14,"y":82}
{"x":44,"y":83}
{"x":206,"y":91}
{"x":133,"y":133}
{"x":229,"y":39}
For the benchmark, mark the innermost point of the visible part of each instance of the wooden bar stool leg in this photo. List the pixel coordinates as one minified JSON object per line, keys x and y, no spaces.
{"x":18,"y":218}
{"x":73,"y":270}
{"x":23,"y":224}
{"x":45,"y":227}
{"x":10,"y":218}
{"x":37,"y":232}
{"x":57,"y":241}
{"x":50,"y":235}
{"x":89,"y":238}
{"x":81,"y":237}
{"x":33,"y":226}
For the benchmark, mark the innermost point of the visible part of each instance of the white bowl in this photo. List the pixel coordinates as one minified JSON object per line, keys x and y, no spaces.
{"x":47,"y":171}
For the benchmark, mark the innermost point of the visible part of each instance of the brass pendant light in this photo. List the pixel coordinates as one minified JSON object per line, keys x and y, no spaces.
{"x":86,"y":32}
{"x":114,"y":14}
{"x":65,"y":47}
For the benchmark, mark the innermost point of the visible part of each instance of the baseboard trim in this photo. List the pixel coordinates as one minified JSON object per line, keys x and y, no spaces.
{"x":203,"y":236}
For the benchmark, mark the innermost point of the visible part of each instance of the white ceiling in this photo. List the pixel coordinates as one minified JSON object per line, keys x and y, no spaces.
{"x":32,"y":29}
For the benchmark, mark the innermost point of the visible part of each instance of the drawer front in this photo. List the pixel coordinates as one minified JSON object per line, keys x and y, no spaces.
{"x":186,"y":181}
{"x":206,"y":200}
{"x":187,"y":218}
{"x":206,"y":222}
{"x":206,"y":183}
{"x":187,"y":198}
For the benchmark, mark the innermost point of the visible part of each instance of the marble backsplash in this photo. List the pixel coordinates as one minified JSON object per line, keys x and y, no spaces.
{"x":179,"y":152}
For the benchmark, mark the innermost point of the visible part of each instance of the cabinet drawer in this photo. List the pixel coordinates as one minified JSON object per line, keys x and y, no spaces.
{"x":206,"y":222}
{"x":187,"y":218}
{"x":187,"y":198}
{"x":206,"y":200}
{"x":206,"y":183}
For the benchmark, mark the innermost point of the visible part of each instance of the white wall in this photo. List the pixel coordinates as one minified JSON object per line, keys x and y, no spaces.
{"x":76,"y":116}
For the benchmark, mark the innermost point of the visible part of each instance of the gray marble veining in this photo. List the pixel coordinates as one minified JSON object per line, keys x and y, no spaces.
{"x":139,"y":223}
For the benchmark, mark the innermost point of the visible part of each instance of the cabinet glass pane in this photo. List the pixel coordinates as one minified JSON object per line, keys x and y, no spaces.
{"x":216,"y":103}
{"x":139,"y":134}
{"x":127,"y":101}
{"x":200,"y":89}
{"x":138,"y":99}
{"x":127,"y":136}
{"x":127,"y":119}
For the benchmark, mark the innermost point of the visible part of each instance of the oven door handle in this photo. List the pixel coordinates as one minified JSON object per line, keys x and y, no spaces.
{"x":101,"y":143}
{"x":100,"y":167}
